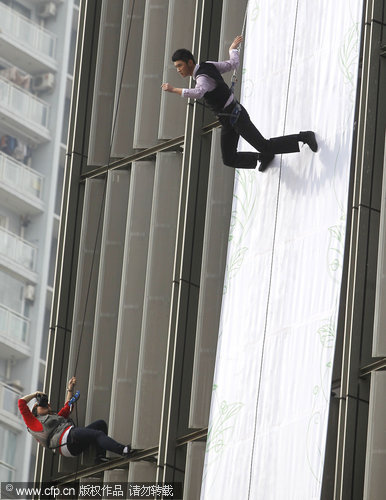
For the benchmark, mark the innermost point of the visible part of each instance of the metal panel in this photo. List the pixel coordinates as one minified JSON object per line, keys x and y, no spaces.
{"x":127,"y":83}
{"x":85,"y":293}
{"x":105,"y":78}
{"x":178,"y":34}
{"x":376,"y":439}
{"x":193,"y":473}
{"x":379,"y":340}
{"x":108,"y":290}
{"x":156,"y":307}
{"x":131,"y":301}
{"x":150,"y":73}
{"x":142,"y":472}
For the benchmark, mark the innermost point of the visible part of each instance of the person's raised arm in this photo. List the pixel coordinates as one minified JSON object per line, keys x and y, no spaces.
{"x":233,"y":61}
{"x":30,"y":421}
{"x":236,"y":42}
{"x":29,"y":397}
{"x":70,"y":388}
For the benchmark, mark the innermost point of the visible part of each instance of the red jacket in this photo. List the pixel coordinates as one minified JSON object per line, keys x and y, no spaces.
{"x":47,"y":429}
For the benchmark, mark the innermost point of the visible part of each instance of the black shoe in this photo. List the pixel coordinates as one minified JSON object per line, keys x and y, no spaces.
{"x":265,"y":159}
{"x":309,"y":139}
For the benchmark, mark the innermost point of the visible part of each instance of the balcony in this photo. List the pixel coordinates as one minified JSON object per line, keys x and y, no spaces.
{"x":8,"y":399}
{"x":14,"y":334}
{"x":24,"y":42}
{"x":23,"y":113}
{"x":17,"y":255}
{"x":21,"y":187}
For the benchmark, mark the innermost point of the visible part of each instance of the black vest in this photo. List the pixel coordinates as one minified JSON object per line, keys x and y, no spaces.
{"x":216,"y":98}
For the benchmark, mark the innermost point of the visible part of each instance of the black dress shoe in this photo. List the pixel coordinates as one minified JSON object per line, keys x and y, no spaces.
{"x":309,"y":139}
{"x":265,"y":159}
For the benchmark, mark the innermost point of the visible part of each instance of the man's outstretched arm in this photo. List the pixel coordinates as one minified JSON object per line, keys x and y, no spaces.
{"x":169,"y":88}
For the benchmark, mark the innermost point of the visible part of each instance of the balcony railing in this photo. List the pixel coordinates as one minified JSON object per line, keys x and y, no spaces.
{"x":22,"y":103}
{"x":7,"y":472}
{"x":8,"y":399}
{"x":21,"y":178}
{"x":18,"y":250}
{"x":13,"y":325}
{"x":27,"y":32}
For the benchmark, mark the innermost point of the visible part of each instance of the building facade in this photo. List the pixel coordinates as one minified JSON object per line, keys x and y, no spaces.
{"x":37,"y":47}
{"x":142,"y":250}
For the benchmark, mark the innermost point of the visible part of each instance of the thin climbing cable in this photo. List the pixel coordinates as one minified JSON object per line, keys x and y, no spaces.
{"x":234,"y":75}
{"x":100,"y":215}
{"x":272,"y":260}
{"x":105,"y":186}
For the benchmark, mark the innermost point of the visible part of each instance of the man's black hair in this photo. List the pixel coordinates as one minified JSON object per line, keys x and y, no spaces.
{"x":183,"y":55}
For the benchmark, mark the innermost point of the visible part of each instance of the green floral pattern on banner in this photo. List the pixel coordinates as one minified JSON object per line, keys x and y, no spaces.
{"x":222,"y":424}
{"x":244,"y":200}
{"x":348,"y":58}
{"x":321,"y":391}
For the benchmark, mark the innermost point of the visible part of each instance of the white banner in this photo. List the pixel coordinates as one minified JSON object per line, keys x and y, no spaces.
{"x":276,"y":344}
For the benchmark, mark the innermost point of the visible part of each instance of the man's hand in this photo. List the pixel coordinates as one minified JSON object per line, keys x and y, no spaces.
{"x":71,"y":384}
{"x":236,"y":42}
{"x":169,"y":88}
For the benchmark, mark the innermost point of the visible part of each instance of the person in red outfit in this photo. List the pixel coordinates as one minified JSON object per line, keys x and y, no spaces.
{"x":56,"y":431}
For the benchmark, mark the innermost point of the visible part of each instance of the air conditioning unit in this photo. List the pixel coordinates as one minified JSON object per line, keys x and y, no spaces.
{"x":43,"y":82}
{"x":29,"y":293}
{"x":47,"y":10}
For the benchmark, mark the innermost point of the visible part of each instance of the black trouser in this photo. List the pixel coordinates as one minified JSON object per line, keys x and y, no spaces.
{"x":243,"y":127}
{"x":80,"y":438}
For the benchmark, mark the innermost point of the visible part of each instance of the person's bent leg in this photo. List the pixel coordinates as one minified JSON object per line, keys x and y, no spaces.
{"x":275,"y":145}
{"x":83,"y":437}
{"x":99,"y":425}
{"x":230,"y":156}
{"x":285,"y":144}
{"x":244,"y":127}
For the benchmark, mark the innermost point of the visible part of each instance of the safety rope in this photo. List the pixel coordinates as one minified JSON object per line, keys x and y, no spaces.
{"x":105,"y":187}
{"x":101,"y":212}
{"x":272,"y":260}
{"x":234,"y":75}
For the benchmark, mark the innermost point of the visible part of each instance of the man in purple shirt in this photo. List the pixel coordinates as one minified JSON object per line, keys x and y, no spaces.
{"x":234,"y":118}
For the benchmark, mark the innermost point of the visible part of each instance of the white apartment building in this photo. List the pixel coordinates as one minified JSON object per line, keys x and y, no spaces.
{"x":37,"y":46}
